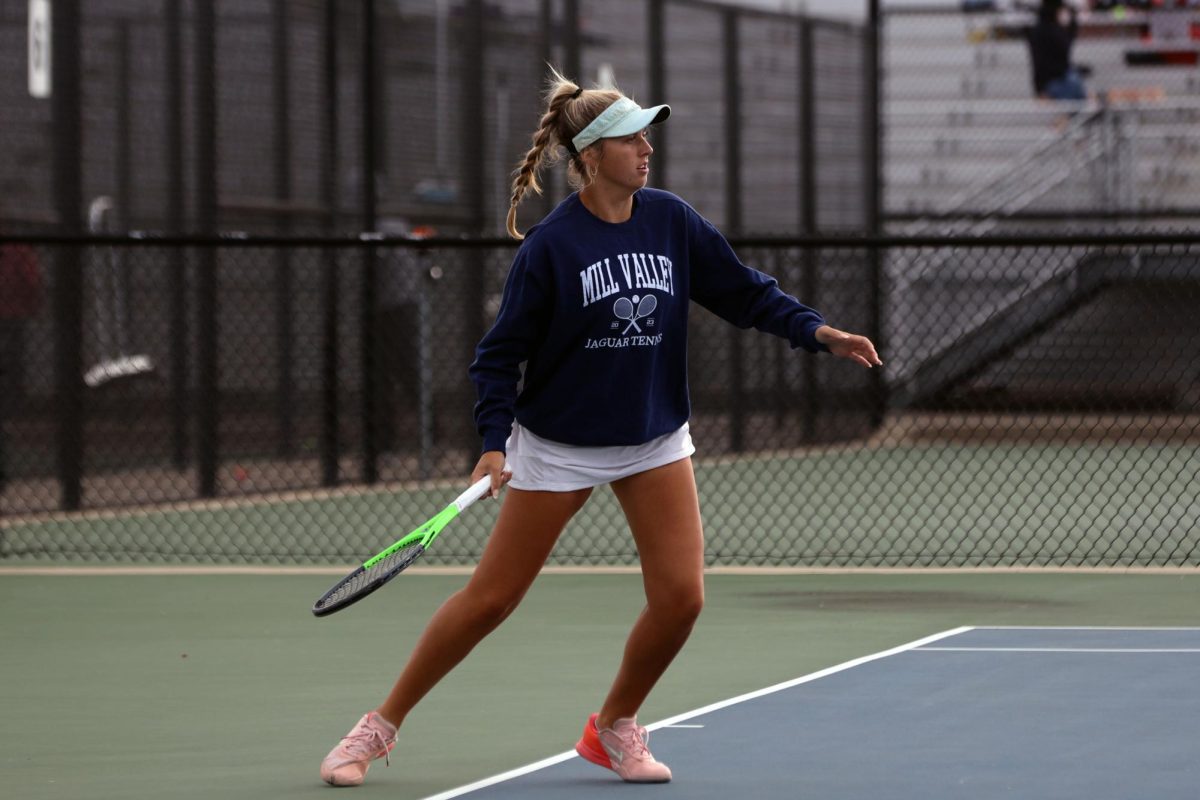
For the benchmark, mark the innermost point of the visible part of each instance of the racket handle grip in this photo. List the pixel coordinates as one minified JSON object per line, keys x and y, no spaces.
{"x":477,"y":490}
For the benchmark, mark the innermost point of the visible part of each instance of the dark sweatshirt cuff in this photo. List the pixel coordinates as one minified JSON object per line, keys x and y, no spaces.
{"x":807,"y":336}
{"x":495,"y":439}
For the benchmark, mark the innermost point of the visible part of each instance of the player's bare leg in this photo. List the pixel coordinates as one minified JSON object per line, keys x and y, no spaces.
{"x":664,"y":515}
{"x":528,"y":526}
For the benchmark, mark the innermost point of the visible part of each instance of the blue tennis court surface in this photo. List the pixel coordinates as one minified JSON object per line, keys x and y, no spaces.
{"x":980,"y":713}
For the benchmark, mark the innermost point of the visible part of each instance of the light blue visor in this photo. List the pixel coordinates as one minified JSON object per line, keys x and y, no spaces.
{"x":623,"y":118}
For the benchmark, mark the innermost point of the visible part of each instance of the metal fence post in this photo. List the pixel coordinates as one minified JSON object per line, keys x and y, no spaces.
{"x":545,"y":201}
{"x":174,"y":91}
{"x":329,"y":447}
{"x":207,"y":353}
{"x":284,"y":311}
{"x":66,"y":109}
{"x":807,"y":125}
{"x":733,"y":215}
{"x":474,"y":180}
{"x":872,"y":116}
{"x":367,"y":76}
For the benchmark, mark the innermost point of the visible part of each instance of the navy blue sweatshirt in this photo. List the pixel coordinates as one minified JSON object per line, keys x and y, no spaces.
{"x":597,"y":313}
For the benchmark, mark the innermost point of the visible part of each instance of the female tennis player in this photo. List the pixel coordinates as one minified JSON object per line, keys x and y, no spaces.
{"x":596,"y":306}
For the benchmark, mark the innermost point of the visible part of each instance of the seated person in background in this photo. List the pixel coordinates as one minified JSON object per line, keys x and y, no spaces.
{"x":1050,"y":42}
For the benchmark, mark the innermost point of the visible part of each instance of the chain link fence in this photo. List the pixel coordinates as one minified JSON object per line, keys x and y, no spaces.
{"x":301,"y":402}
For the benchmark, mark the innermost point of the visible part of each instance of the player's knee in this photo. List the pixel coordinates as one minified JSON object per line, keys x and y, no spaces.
{"x":681,"y":608}
{"x":490,"y":609}
{"x":691,"y":606}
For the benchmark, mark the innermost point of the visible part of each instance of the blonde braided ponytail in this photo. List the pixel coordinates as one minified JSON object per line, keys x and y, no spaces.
{"x":569,"y":109}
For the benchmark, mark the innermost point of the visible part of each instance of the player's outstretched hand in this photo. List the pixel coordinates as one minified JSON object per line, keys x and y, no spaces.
{"x":849,"y":345}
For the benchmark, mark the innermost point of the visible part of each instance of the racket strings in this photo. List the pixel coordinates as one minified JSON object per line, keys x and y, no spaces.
{"x":393,"y":562}
{"x":377,"y":572}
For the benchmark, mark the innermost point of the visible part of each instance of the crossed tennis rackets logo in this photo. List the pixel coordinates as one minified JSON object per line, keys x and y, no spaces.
{"x":625,"y":311}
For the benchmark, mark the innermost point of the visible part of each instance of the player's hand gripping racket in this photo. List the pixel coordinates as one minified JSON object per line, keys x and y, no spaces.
{"x":381,"y":568}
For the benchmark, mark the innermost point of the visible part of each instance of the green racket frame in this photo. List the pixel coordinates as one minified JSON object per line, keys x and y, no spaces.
{"x":390,"y":562}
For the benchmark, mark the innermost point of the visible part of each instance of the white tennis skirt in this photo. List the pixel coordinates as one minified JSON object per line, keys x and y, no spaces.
{"x":539,"y":464}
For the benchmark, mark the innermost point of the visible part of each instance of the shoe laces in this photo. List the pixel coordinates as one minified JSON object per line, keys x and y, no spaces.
{"x":365,"y":741}
{"x":636,"y":739}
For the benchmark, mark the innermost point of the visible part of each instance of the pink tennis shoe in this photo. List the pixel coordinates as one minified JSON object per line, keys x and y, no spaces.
{"x":622,"y":748}
{"x":346,"y":765}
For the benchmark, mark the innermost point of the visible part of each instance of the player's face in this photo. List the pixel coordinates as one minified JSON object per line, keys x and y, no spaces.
{"x":625,"y":162}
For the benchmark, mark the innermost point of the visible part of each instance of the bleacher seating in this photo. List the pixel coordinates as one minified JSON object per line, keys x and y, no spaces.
{"x":959,"y":112}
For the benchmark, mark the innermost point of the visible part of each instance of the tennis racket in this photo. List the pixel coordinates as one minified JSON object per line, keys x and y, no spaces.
{"x":382,"y":567}
{"x":623,"y":309}
{"x":644,"y":309}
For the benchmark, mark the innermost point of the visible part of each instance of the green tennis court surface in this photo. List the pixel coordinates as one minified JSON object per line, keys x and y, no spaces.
{"x":225,"y":685}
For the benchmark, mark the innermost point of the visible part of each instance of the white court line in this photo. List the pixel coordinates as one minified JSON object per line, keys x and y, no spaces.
{"x":673,"y":721}
{"x":1082,"y":628}
{"x":1056,"y":650}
